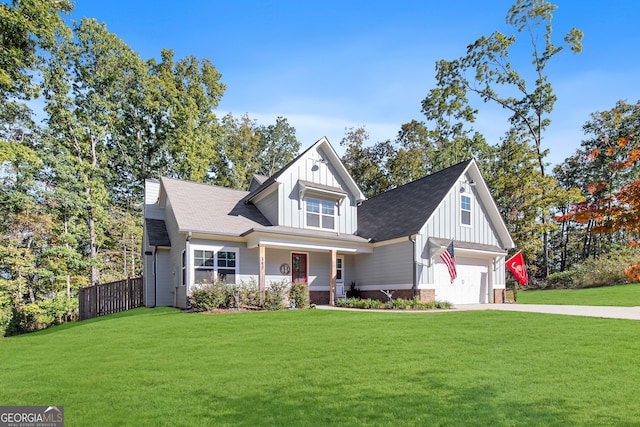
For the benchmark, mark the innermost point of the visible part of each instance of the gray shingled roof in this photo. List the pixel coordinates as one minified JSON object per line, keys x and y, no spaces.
{"x":210,"y":209}
{"x":404,"y":210}
{"x":157,"y":232}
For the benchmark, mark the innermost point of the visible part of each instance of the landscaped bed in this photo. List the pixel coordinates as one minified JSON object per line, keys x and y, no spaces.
{"x":392,"y":304}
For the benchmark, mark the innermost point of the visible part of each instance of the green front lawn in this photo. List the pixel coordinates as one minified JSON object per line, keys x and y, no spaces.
{"x":622,"y":295}
{"x":155,"y":367}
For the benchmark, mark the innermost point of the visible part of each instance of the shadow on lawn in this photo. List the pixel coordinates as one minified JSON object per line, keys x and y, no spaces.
{"x":434,"y":403}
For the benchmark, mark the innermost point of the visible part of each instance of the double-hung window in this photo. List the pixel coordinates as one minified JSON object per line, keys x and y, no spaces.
{"x":203,"y":263}
{"x":210,"y":265}
{"x":320,"y":213}
{"x":465,"y":210}
{"x":227,"y":266}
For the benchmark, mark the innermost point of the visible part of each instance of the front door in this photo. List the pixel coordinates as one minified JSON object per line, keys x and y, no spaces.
{"x":299,"y":268}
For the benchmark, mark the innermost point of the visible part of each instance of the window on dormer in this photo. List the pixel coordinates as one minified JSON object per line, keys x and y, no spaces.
{"x":465,"y":210}
{"x":320,"y":213}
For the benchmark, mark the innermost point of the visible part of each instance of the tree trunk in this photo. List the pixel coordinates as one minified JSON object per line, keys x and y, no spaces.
{"x":92,"y":245}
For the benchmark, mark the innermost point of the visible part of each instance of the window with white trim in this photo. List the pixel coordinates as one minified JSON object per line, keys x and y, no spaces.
{"x":209,"y":265}
{"x":320,"y":213}
{"x":226,"y":263}
{"x":203,"y":265}
{"x":465,"y":210}
{"x":339,"y":270}
{"x":183,"y":269}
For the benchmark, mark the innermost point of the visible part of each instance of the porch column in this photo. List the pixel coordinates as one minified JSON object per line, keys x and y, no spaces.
{"x":332,"y":282}
{"x":261,"y":278}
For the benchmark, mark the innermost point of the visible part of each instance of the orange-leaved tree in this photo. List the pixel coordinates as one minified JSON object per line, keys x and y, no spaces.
{"x":615,"y":209}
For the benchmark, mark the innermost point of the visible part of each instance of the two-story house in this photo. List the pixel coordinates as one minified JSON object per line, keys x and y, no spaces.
{"x":310,"y":222}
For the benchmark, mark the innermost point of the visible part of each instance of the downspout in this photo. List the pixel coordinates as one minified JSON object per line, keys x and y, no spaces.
{"x":155,"y":277}
{"x":187,"y":266}
{"x":414,"y":284}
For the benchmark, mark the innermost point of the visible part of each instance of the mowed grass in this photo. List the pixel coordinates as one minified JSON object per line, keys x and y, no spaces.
{"x":622,"y":295}
{"x":161,"y":367}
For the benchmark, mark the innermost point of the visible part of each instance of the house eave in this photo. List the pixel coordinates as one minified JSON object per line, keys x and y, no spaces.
{"x":300,"y":240}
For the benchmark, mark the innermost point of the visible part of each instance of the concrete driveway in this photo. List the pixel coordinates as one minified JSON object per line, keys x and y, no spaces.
{"x":632,"y":313}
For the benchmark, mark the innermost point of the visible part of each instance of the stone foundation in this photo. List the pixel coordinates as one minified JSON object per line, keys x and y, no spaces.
{"x":499,"y":296}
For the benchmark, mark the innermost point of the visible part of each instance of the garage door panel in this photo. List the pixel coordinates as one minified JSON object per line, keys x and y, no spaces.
{"x":470,"y":287}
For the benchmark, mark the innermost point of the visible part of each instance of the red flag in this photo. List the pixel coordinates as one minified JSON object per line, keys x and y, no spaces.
{"x":518,"y":268}
{"x":449,"y":258}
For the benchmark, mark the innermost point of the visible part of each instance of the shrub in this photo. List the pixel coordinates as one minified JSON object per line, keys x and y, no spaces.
{"x":396,"y":304}
{"x":561,"y":279}
{"x":248,"y":294}
{"x":300,"y":293}
{"x":353,"y":291}
{"x":593,"y":272}
{"x":210,"y":296}
{"x":60,"y":308}
{"x":401,"y":304}
{"x":6,"y":314}
{"x":276,"y":294}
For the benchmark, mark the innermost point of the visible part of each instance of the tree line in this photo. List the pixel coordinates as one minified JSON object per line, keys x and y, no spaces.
{"x":84,"y":120}
{"x":586,"y":207}
{"x":72,"y":184}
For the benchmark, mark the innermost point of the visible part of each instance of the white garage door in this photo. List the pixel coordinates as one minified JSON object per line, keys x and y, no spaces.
{"x":471,"y":286}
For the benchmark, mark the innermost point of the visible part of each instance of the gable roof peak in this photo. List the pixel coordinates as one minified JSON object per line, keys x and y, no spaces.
{"x":333,"y":158}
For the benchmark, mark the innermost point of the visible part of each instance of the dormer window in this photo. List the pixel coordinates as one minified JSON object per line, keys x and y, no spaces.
{"x":320,"y":213}
{"x":465,"y":210}
{"x":321,"y":204}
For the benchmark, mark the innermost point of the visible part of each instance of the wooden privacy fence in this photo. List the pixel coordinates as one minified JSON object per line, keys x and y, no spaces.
{"x":108,"y":298}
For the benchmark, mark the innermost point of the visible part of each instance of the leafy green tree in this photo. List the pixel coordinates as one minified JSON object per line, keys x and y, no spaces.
{"x":607,"y":167}
{"x":248,"y":148}
{"x":367,"y":164}
{"x":278,"y":146}
{"x":522,"y":194}
{"x":238,"y":152}
{"x":82,"y":87}
{"x":186,"y":129}
{"x":28,"y":29}
{"x":590,"y":169}
{"x":486,"y":72}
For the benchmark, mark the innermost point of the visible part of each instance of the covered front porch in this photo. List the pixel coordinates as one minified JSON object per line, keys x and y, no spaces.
{"x":319,"y":259}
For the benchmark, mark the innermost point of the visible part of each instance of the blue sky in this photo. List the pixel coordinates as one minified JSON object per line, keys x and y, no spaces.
{"x":329,"y":65}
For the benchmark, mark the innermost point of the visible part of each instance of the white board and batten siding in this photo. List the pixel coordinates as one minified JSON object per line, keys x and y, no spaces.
{"x":478,"y":274}
{"x":446,"y":222}
{"x":309,"y":168}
